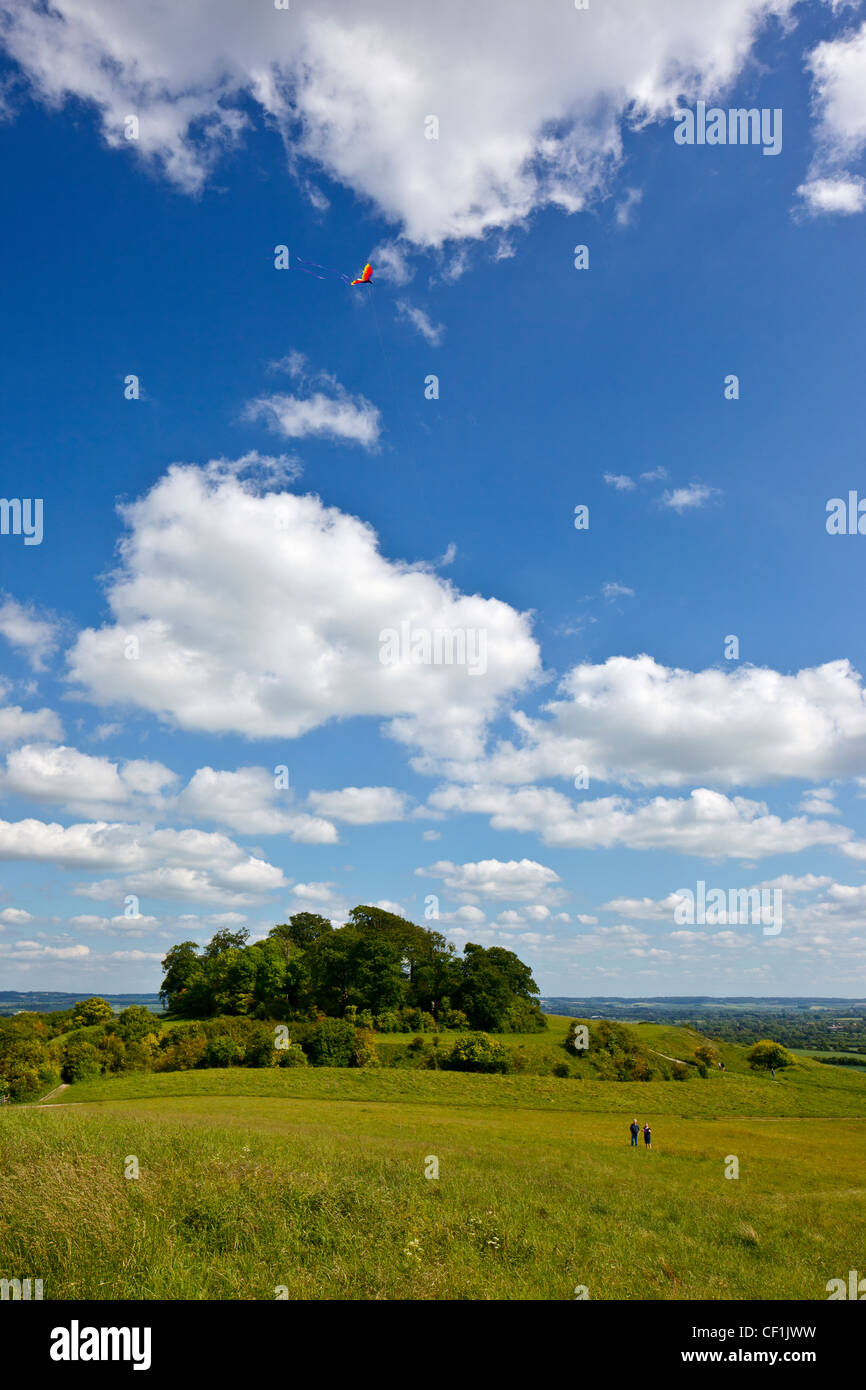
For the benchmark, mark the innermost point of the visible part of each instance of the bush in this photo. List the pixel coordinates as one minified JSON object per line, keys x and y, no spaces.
{"x":680,"y":1072}
{"x":364,"y":1053}
{"x":222,"y":1051}
{"x":81,"y":1062}
{"x":329,"y":1042}
{"x":561,"y":1069}
{"x":291,"y":1056}
{"x":478,"y":1052}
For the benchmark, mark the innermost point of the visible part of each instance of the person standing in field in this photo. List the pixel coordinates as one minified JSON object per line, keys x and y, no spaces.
{"x":647,"y":1135}
{"x":634,"y":1130}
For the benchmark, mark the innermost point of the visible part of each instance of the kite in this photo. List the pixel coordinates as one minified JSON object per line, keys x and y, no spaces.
{"x":324,"y":272}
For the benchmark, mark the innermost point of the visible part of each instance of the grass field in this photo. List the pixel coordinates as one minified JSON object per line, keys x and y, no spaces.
{"x":314,"y":1180}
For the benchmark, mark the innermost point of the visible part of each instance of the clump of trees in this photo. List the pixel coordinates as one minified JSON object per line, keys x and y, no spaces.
{"x":28,"y":1067}
{"x":380,"y":971}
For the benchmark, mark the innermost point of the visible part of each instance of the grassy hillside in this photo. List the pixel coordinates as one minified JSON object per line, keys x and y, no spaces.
{"x":314,"y":1179}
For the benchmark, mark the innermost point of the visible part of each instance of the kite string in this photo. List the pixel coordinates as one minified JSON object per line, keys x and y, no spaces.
{"x":399,"y":413}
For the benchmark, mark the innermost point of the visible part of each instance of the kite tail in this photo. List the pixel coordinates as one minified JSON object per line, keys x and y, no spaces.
{"x":321,"y":272}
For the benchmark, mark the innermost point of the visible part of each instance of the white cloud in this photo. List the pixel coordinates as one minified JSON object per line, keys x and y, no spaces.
{"x":17,"y":724}
{"x":23,"y":629}
{"x":684,"y":499}
{"x":64,"y":776}
{"x":634,"y":721}
{"x":360,"y":805}
{"x":838,"y":69}
{"x":819,"y":802}
{"x":846,"y":194}
{"x":161,"y":863}
{"x":531,"y":104}
{"x":631,"y":199}
{"x":15,"y":916}
{"x":36,"y":950}
{"x":432,"y":332}
{"x":705,"y":823}
{"x":621,"y":481}
{"x":338,"y":416}
{"x":212,"y":570}
{"x":517,"y":880}
{"x":247,"y":801}
{"x":613,"y":590}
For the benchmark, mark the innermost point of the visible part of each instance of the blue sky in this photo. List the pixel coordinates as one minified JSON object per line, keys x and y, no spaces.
{"x":289,"y":493}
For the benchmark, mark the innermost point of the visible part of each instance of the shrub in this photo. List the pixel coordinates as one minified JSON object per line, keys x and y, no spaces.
{"x":364,"y":1053}
{"x":680,"y":1072}
{"x":561,"y":1069}
{"x":291,"y":1056}
{"x":81,"y":1062}
{"x":222,"y":1051}
{"x":478,"y":1052}
{"x":329,"y":1042}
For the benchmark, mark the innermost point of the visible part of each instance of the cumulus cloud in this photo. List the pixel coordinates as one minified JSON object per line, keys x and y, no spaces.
{"x":846,"y":194}
{"x":15,"y":916}
{"x":64,"y":776}
{"x":688,"y":499}
{"x":163,"y":863}
{"x":531,"y":104}
{"x":25,"y":630}
{"x":247,"y":801}
{"x":17,"y":724}
{"x":496,"y":879}
{"x":262,"y":613}
{"x":336,"y":416}
{"x":838,"y":70}
{"x":621,"y":481}
{"x":360,"y":805}
{"x":634,"y":721}
{"x":705,"y":823}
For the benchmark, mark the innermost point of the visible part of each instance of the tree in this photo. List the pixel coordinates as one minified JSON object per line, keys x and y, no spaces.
{"x":496,"y":990}
{"x":226,"y":941}
{"x":303,"y":929}
{"x":478,"y":1052}
{"x":135,"y":1023}
{"x":766,"y":1055}
{"x":182,"y":968}
{"x":89,"y":1011}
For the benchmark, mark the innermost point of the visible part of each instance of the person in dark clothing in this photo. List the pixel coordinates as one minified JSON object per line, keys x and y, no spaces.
{"x":647,"y":1135}
{"x":634,"y":1130}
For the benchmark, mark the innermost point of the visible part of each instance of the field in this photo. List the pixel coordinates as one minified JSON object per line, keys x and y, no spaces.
{"x":313,"y":1180}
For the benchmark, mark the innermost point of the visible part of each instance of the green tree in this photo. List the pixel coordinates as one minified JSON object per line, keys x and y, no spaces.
{"x":767,"y":1054}
{"x":495,"y":983}
{"x":182,"y":970}
{"x":226,"y":941}
{"x":135,"y":1023}
{"x":478,"y":1052}
{"x":89,"y":1011}
{"x":303,"y":929}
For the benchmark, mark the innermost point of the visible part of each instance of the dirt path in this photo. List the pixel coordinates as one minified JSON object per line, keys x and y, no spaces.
{"x":658,"y":1054}
{"x":38,"y":1105}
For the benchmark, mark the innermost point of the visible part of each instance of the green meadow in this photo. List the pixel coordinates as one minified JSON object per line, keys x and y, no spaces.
{"x":319,"y":1183}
